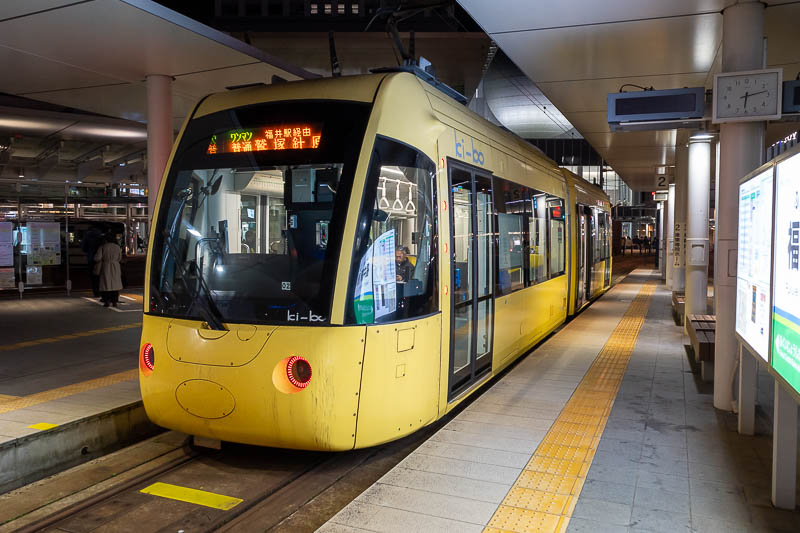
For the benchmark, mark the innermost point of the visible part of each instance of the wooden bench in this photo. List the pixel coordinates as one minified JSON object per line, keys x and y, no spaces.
{"x":701,"y":330}
{"x":678,"y":305}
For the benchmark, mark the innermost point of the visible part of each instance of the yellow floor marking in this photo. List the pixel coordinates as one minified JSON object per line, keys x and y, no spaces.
{"x":197,"y":497}
{"x":68,"y":336}
{"x":133,"y":297}
{"x":7,"y":398}
{"x":69,"y":390}
{"x":43,"y":426}
{"x":544,"y":495}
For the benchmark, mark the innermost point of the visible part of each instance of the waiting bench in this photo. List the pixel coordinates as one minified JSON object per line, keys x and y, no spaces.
{"x":701,"y":330}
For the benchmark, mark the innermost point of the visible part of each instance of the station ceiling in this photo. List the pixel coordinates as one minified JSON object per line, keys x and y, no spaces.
{"x":578,"y":51}
{"x":94,"y":55}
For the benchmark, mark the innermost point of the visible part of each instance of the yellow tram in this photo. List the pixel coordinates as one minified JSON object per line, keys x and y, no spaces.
{"x":336,"y":263}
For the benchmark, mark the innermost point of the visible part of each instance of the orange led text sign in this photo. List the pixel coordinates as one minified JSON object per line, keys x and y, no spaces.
{"x":295,"y":137}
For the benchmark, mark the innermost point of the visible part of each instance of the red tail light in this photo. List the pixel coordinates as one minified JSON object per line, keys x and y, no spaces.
{"x":148,"y":358}
{"x":298,"y":370}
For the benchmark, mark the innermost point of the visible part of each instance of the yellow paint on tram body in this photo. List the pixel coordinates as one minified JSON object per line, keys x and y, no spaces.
{"x":195,"y":496}
{"x":545,"y":494}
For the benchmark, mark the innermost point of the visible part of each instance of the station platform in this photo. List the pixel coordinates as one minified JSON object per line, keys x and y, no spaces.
{"x":68,"y":382}
{"x":606,"y":426}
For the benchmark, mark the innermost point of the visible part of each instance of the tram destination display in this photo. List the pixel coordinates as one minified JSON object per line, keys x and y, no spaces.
{"x":785,"y":359}
{"x":755,"y":251}
{"x":267,"y":138}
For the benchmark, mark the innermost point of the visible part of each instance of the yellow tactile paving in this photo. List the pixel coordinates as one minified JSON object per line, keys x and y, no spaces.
{"x":68,"y":336}
{"x":7,"y":398}
{"x":69,"y":390}
{"x":544,"y":495}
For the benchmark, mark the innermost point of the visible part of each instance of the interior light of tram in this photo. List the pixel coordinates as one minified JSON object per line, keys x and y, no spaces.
{"x":294,"y":137}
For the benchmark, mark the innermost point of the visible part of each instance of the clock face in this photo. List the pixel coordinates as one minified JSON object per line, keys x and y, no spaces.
{"x":747,"y":95}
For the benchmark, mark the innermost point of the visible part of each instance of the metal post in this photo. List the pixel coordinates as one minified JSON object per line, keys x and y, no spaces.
{"x":159,"y":134}
{"x":741,"y":146}
{"x":748,"y":373}
{"x":784,"y":449}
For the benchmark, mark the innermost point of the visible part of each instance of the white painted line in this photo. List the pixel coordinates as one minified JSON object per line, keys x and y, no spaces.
{"x":118,"y":310}
{"x":128,"y":298}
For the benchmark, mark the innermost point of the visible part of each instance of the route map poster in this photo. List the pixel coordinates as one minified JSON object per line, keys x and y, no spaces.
{"x":786,"y":288}
{"x":6,"y":244}
{"x":376,"y":284}
{"x":45,"y":243}
{"x":755,"y":251}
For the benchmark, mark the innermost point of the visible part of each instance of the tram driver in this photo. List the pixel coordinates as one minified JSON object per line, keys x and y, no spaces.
{"x":403,"y":267}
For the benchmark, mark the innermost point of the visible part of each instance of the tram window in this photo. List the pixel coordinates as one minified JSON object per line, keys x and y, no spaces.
{"x":510,"y":203}
{"x":608,"y":236}
{"x":394,"y":271}
{"x":538,"y":246}
{"x":555,"y":213}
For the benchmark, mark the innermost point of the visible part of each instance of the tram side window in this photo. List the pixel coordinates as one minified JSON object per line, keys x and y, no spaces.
{"x":601,"y":244}
{"x":555,"y":212}
{"x":510,"y":200}
{"x":537,"y":222}
{"x":394,"y":270}
{"x":608,"y":235}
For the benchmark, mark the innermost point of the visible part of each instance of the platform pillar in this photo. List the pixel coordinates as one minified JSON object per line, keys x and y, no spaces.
{"x":741,"y":147}
{"x":679,"y":220}
{"x":670,"y":237}
{"x":697,"y":247}
{"x":662,"y":267}
{"x":159,"y":134}
{"x":784,"y":449}
{"x":748,"y":374}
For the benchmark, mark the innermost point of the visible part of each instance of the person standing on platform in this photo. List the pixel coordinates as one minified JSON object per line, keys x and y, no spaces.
{"x":92,"y":240}
{"x":107,"y":266}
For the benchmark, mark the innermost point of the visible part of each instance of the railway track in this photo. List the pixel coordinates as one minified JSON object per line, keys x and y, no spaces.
{"x":274,"y":486}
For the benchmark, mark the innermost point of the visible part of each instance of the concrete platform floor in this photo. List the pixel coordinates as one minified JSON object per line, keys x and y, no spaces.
{"x":53,"y":341}
{"x":665,"y":460}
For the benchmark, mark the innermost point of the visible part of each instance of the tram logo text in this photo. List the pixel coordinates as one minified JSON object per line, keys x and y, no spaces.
{"x":475,"y":156}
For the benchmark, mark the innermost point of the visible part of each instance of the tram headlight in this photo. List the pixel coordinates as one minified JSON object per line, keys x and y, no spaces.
{"x":298,"y":370}
{"x":147,"y":358}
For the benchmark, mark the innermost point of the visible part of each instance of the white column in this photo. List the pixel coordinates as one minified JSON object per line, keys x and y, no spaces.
{"x":784,"y":449}
{"x":679,"y":221}
{"x":159,"y":134}
{"x":669,"y":226}
{"x":741,"y":145}
{"x":699,"y":187}
{"x":662,"y":258}
{"x":716,"y":210}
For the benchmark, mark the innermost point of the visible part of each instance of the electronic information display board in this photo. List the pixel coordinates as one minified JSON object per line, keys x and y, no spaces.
{"x":785,"y":359}
{"x":752,"y":271}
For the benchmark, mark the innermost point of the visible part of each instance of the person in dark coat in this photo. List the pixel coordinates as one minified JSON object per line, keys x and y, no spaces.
{"x":92,"y":240}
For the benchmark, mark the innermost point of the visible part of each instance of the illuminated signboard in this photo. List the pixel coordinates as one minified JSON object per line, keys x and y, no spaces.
{"x":785,"y":358}
{"x":755,"y":251}
{"x":292,"y":137}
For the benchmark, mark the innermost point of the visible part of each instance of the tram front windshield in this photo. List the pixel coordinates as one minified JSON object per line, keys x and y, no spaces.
{"x":251,"y":217}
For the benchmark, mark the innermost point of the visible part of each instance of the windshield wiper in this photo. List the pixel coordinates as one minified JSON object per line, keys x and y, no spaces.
{"x":205,"y":302}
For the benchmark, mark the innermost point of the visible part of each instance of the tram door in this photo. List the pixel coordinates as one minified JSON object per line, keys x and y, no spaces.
{"x":472,"y":275}
{"x":580,"y":284}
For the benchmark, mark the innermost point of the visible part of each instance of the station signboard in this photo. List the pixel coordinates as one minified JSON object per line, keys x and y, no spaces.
{"x":754,"y":255}
{"x":785,"y":359}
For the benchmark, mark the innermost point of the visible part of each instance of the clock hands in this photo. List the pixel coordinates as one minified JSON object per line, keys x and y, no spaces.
{"x":748,"y":95}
